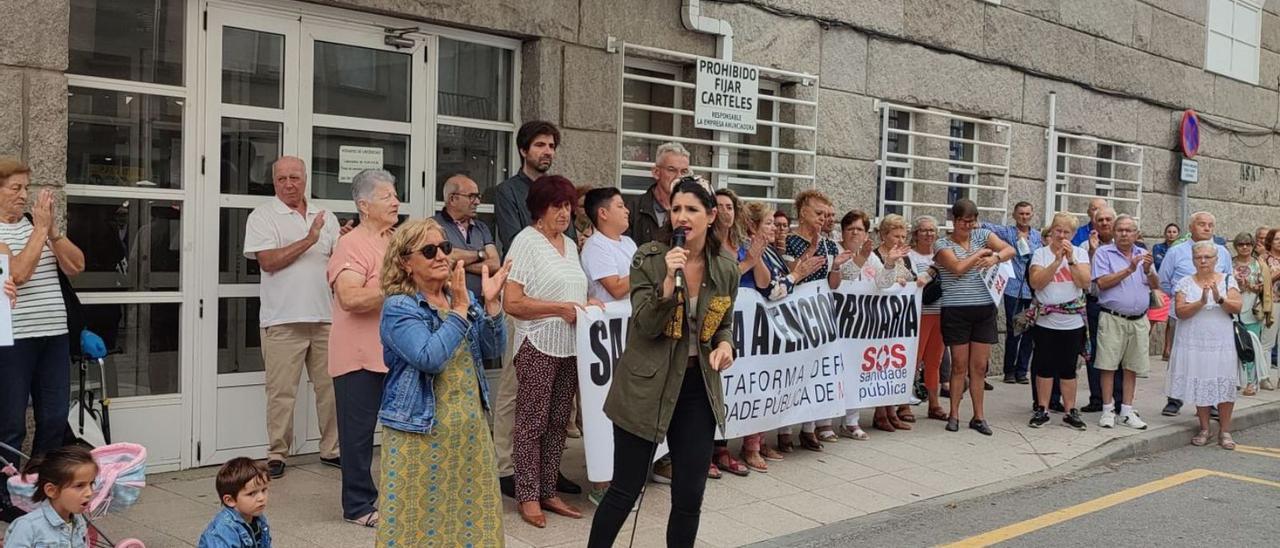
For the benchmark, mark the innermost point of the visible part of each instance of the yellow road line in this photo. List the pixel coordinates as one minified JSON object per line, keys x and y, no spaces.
{"x":1252,"y":448}
{"x":1018,"y":529}
{"x":1273,"y":455}
{"x":1053,"y":518}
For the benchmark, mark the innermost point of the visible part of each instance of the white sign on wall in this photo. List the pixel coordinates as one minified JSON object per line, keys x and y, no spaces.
{"x":352,"y":160}
{"x":6,"y":315}
{"x":727,"y":96}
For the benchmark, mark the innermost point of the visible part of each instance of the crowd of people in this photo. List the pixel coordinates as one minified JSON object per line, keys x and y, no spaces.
{"x":395,"y":323}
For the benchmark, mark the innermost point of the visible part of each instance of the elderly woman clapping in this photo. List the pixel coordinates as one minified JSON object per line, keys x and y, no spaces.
{"x":355,"y":352}
{"x":36,"y":367}
{"x":439,"y":478}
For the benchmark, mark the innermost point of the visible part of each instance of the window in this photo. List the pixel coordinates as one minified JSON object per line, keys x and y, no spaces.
{"x":136,"y":40}
{"x":1103,"y":185}
{"x":475,"y":131}
{"x":768,"y":165}
{"x":1061,"y":202}
{"x":1088,"y":167}
{"x":898,"y":168}
{"x":930,"y":158}
{"x":127,"y":137}
{"x":1233,"y":38}
{"x":641,"y":120}
{"x":961,"y":175}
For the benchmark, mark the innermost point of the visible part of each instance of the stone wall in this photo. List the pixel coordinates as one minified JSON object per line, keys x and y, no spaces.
{"x":33,"y":89}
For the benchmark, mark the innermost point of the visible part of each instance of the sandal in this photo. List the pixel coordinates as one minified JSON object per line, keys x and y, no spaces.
{"x":854,"y":432}
{"x":895,"y":421}
{"x":882,"y":423}
{"x":713,"y":472}
{"x":1224,"y":439}
{"x":769,"y":453}
{"x":1201,"y":439}
{"x":725,"y":462}
{"x":755,"y":462}
{"x":827,"y":435}
{"x":937,"y":413}
{"x":905,"y":414}
{"x":367,"y":520}
{"x":1249,"y":390}
{"x":785,"y":444}
{"x":809,"y":441}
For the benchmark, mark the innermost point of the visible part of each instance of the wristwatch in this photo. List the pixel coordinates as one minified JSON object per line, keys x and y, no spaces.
{"x":481,"y":254}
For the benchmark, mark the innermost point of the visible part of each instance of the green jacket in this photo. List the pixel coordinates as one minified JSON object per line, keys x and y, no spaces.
{"x":648,"y":376}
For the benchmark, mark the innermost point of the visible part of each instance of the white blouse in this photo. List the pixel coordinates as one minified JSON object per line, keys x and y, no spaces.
{"x":547,"y":276}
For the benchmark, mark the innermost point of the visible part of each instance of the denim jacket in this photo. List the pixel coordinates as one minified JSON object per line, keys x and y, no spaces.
{"x":416,"y":345}
{"x":229,"y":530}
{"x":44,"y":527}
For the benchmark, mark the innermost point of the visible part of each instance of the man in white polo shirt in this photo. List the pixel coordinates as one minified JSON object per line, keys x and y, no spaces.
{"x":292,"y":243}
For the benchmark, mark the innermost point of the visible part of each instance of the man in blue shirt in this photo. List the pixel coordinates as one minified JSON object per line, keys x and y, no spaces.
{"x":1082,"y":233}
{"x":1177,"y":265}
{"x":1017,"y":294}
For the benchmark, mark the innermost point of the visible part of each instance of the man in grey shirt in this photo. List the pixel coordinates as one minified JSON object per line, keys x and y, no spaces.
{"x":472,"y":242}
{"x":537,"y":142}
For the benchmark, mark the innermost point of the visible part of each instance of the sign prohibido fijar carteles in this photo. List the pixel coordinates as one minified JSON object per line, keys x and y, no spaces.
{"x":727,"y":95}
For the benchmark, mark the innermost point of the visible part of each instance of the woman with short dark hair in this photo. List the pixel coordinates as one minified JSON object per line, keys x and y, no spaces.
{"x":543,"y":293}
{"x":968,"y":311}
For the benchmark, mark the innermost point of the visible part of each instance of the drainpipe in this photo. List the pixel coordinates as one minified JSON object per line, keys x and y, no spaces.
{"x":694,"y":20}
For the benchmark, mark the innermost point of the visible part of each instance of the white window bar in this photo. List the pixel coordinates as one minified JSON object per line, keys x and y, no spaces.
{"x":1110,"y":160}
{"x":976,"y":158}
{"x":664,"y":69}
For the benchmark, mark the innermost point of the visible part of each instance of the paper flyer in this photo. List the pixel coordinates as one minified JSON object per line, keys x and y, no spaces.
{"x":6,"y":313}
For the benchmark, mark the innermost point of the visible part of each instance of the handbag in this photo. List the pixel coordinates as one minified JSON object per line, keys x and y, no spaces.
{"x":1243,"y":340}
{"x":932,"y":291}
{"x":1026,"y":319}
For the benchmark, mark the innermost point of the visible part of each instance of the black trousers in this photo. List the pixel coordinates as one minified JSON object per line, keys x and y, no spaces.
{"x":357,"y":397}
{"x":690,"y":440}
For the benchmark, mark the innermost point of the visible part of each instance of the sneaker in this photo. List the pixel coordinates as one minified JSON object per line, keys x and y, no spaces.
{"x":1039,"y":418}
{"x":1057,"y":407}
{"x":596,"y":495}
{"x":1073,"y":420}
{"x":1023,"y":380}
{"x":914,"y":401}
{"x":1107,"y":420}
{"x":1010,"y":380}
{"x":1132,"y":420}
{"x":275,"y":469}
{"x":987,"y":386}
{"x":335,"y":462}
{"x":1091,"y":408}
{"x":662,"y":471}
{"x":1171,"y":409}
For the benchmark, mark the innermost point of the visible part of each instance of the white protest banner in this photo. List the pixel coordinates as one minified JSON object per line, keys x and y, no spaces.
{"x":996,"y":278}
{"x":6,"y":314}
{"x":727,"y":96}
{"x":601,"y":335}
{"x":880,"y":335}
{"x":788,"y":363}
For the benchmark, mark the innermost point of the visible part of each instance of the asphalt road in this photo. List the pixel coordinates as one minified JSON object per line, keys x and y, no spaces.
{"x":1183,"y":510}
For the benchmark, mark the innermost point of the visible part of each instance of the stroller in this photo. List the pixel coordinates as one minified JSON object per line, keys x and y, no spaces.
{"x":89,"y":419}
{"x":121,"y":477}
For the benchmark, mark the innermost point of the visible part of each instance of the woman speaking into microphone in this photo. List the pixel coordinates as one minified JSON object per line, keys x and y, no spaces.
{"x":667,"y":382}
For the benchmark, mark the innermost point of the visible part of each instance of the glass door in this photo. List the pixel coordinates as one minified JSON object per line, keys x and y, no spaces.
{"x":279,"y":84}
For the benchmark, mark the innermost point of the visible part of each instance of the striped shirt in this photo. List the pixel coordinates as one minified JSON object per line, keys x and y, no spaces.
{"x":40,"y":311}
{"x":967,"y":290}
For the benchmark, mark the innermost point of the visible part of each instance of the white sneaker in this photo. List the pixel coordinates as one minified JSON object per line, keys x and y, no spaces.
{"x":1108,"y":418}
{"x":914,"y":401}
{"x":1132,"y":420}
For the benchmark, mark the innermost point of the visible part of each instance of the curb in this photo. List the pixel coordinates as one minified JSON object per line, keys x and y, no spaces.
{"x":1111,"y":451}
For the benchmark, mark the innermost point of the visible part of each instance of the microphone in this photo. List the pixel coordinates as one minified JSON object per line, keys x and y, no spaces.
{"x":677,"y":240}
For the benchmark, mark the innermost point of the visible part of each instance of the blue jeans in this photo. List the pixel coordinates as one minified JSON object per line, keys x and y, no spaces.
{"x":357,"y":397}
{"x":1093,"y":310}
{"x":38,"y":368}
{"x":1017,"y":348}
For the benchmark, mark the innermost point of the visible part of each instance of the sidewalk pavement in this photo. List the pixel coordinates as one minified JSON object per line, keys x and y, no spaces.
{"x":849,"y":479}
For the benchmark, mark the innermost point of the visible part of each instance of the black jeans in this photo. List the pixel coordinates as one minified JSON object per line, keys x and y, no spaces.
{"x":690,"y":439}
{"x":38,"y":368}
{"x":357,"y":397}
{"x":1017,"y":348}
{"x":1093,"y":311}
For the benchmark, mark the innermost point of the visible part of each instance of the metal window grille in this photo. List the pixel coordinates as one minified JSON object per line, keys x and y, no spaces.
{"x":930,"y":158}
{"x":769,"y":166}
{"x":1083,"y":168}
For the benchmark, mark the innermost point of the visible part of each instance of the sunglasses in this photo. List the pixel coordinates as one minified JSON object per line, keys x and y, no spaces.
{"x":429,"y":251}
